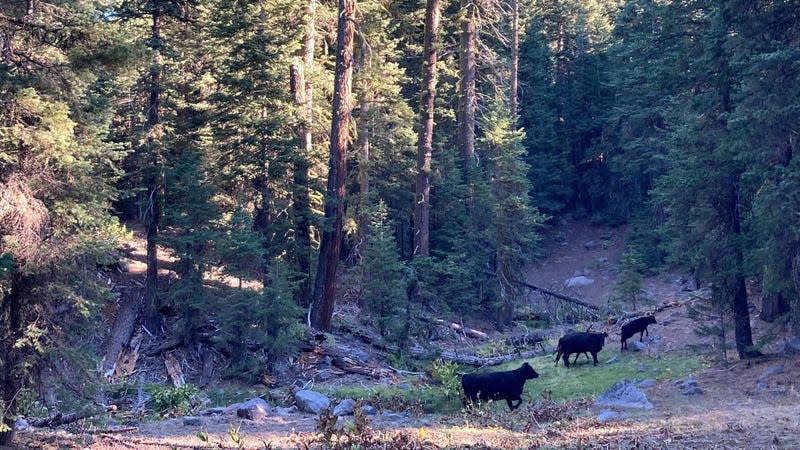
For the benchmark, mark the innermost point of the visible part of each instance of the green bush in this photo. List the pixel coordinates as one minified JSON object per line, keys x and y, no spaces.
{"x":169,"y":400}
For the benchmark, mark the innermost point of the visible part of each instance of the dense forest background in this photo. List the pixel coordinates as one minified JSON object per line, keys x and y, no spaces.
{"x":414,"y":148}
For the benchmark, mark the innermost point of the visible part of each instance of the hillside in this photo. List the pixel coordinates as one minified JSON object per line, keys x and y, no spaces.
{"x":750,"y":404}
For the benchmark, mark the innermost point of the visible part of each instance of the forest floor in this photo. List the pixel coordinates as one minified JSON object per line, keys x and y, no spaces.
{"x":734,"y":411}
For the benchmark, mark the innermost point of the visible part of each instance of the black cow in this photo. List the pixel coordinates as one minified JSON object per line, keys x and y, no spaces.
{"x":505,"y":385}
{"x":636,"y":326}
{"x":580,"y":342}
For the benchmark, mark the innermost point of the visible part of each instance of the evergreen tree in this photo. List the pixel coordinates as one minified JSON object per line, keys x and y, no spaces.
{"x":57,"y":86}
{"x":384,"y":281}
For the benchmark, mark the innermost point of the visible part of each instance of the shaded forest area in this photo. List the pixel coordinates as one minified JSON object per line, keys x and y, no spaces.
{"x":271,"y":149}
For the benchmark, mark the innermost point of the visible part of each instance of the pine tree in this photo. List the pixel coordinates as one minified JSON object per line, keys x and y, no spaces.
{"x":55,"y":190}
{"x":384,"y":278}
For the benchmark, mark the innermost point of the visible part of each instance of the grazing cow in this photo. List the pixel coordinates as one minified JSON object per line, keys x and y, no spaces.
{"x":506,"y":385}
{"x":636,"y":326}
{"x":580,"y":342}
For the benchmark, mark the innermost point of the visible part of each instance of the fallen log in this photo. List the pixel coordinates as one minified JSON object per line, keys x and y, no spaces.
{"x":119,"y":346}
{"x":477,"y":361}
{"x":560,"y":296}
{"x":469,"y":332}
{"x":60,"y":419}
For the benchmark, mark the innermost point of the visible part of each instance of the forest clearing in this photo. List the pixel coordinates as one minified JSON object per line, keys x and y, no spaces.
{"x":733,"y":411}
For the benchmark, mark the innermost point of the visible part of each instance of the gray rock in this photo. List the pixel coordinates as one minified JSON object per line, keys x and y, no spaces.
{"x":345,"y":407}
{"x":760,"y":387}
{"x":368,"y":410}
{"x":591,"y":245}
{"x":254,"y":409}
{"x":213,"y":411}
{"x":692,"y":390}
{"x":21,"y":424}
{"x":793,"y":345}
{"x":771,"y":371}
{"x":648,"y":383}
{"x":689,"y":386}
{"x":639,"y":346}
{"x":642,"y":368}
{"x":579,"y":281}
{"x":624,"y":394}
{"x":310,"y":401}
{"x":192,"y":421}
{"x":613,"y":360}
{"x":607,"y":416}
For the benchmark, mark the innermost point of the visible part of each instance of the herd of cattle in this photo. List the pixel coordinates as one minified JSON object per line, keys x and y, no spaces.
{"x":508,"y":385}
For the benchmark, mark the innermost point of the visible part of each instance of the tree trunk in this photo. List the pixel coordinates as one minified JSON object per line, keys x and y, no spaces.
{"x":363,"y":166}
{"x":153,"y":214}
{"x":467,"y":100}
{"x":325,"y":284}
{"x":422,"y":204}
{"x":514,"y":62}
{"x":773,"y":306}
{"x":303,"y":91}
{"x":12,"y":359}
{"x":738,"y":289}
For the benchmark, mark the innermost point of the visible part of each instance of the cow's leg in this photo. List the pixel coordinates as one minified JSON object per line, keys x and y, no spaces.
{"x":566,"y":360}
{"x":594,"y":356}
{"x":511,"y":405}
{"x":641,"y":335}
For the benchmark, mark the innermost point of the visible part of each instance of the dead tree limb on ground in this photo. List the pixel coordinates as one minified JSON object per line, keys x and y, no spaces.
{"x":560,"y":296}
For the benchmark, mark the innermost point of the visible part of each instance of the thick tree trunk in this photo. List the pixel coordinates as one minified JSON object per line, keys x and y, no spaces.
{"x":325,"y":285}
{"x":422,"y":204}
{"x":153,"y":214}
{"x":737,"y":289}
{"x":467,"y":99}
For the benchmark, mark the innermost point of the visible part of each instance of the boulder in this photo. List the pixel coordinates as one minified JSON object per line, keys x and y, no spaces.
{"x":310,"y":401}
{"x":254,"y":409}
{"x":579,"y":281}
{"x":624,"y":394}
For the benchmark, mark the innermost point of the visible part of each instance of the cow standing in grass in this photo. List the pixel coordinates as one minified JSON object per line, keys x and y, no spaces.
{"x":636,"y":326}
{"x":580,"y":342}
{"x":507,"y":385}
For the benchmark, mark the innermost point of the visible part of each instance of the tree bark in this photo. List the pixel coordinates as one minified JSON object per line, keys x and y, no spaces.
{"x":330,"y":250}
{"x":773,"y":306}
{"x":514,"y":62}
{"x":467,"y":100}
{"x":422,"y":204}
{"x":737,"y":288}
{"x":13,"y":359}
{"x":153,"y":214}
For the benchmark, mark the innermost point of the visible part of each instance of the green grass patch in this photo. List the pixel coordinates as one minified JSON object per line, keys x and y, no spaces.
{"x":585,"y":379}
{"x":408,"y":396}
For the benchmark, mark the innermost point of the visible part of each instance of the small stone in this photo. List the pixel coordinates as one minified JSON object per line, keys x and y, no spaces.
{"x":344,"y":408}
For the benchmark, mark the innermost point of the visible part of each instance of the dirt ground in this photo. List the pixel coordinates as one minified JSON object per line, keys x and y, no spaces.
{"x":734,"y":411}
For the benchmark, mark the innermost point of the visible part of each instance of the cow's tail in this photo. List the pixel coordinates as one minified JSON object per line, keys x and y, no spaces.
{"x":558,"y":353}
